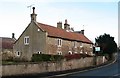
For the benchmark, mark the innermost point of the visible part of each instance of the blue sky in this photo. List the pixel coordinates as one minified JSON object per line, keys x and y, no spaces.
{"x":98,"y":17}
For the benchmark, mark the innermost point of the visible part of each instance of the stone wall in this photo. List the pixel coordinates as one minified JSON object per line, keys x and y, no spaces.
{"x":68,"y":45}
{"x":8,"y":70}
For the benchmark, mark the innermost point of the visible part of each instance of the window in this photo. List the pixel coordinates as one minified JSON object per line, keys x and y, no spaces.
{"x":39,"y":52}
{"x":81,"y":44}
{"x":81,"y":51}
{"x":75,"y":44}
{"x":18,"y":53}
{"x":59,"y":42}
{"x":26,"y":40}
{"x":70,"y":52}
{"x":75,"y":52}
{"x":59,"y":53}
{"x":91,"y":45}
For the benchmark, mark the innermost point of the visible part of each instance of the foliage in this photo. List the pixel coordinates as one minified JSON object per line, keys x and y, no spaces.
{"x":46,"y":57}
{"x":75,"y":56}
{"x":8,"y":62}
{"x":106,"y":43}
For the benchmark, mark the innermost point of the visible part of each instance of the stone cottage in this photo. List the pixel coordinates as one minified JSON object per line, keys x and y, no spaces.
{"x":6,"y":47}
{"x":46,"y":39}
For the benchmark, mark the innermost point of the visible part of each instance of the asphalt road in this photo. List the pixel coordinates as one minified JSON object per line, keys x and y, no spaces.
{"x":108,"y":71}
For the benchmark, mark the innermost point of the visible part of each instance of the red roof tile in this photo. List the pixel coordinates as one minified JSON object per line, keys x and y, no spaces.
{"x":7,"y":43}
{"x":61,"y":33}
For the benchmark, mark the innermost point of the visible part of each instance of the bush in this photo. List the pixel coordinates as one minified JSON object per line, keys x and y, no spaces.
{"x":46,"y":57}
{"x":75,"y":56}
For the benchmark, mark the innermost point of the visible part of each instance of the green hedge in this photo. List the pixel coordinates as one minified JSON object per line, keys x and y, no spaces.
{"x":46,"y":57}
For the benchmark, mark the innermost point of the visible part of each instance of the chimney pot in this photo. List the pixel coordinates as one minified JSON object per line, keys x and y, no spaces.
{"x":33,"y":10}
{"x":66,"y":26}
{"x":65,"y":21}
{"x":13,"y":36}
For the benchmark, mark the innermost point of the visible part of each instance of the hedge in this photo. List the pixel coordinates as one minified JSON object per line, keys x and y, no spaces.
{"x":46,"y":57}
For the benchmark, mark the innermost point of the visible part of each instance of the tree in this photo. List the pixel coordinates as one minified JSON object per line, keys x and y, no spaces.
{"x":107,"y":44}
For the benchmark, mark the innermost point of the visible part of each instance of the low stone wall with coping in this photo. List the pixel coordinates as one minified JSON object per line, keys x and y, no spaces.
{"x":34,"y":68}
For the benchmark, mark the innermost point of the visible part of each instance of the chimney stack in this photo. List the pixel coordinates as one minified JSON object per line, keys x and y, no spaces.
{"x":33,"y":15}
{"x":82,"y":32}
{"x":13,"y":36}
{"x":72,"y":29}
{"x":59,"y":25}
{"x":66,"y":26}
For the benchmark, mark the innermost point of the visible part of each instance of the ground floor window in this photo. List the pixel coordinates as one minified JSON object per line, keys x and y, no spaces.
{"x":69,"y":52}
{"x":59,"y":53}
{"x":39,"y":52}
{"x":18,"y":53}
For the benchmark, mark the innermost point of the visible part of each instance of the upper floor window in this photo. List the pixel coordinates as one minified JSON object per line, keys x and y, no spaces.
{"x":81,"y":44}
{"x":26,"y":40}
{"x":91,"y":45}
{"x":75,"y":44}
{"x":59,"y":42}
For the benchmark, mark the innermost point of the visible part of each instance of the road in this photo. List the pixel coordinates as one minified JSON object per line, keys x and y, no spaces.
{"x":108,"y":71}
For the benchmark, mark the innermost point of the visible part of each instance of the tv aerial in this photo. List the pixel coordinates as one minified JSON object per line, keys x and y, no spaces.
{"x":30,"y":6}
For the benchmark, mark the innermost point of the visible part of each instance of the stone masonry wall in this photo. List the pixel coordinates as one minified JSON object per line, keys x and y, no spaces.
{"x":67,"y":46}
{"x":47,"y":66}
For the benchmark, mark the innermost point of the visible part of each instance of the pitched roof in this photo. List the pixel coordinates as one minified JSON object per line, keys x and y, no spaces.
{"x":6,"y":43}
{"x":61,"y":33}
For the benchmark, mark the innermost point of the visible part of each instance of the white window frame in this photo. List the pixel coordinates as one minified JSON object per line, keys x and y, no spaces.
{"x":75,"y":44}
{"x":75,"y":52}
{"x":59,"y":42}
{"x":70,"y":52}
{"x":26,"y":40}
{"x":91,"y":45}
{"x":18,"y":53}
{"x":81,"y":51}
{"x":39,"y":52}
{"x":81,"y":44}
{"x":59,"y":52}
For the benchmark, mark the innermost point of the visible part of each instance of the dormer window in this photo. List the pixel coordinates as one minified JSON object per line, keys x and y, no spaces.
{"x":59,"y":42}
{"x":26,"y":40}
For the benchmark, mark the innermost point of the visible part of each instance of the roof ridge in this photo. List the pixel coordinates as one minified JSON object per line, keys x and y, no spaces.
{"x":50,"y":26}
{"x":46,"y":24}
{"x":6,"y":37}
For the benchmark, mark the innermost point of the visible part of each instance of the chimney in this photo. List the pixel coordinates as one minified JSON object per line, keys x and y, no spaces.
{"x":66,"y":26}
{"x":82,"y":32}
{"x":33,"y":15}
{"x":72,"y":29}
{"x":59,"y":25}
{"x":13,"y":35}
